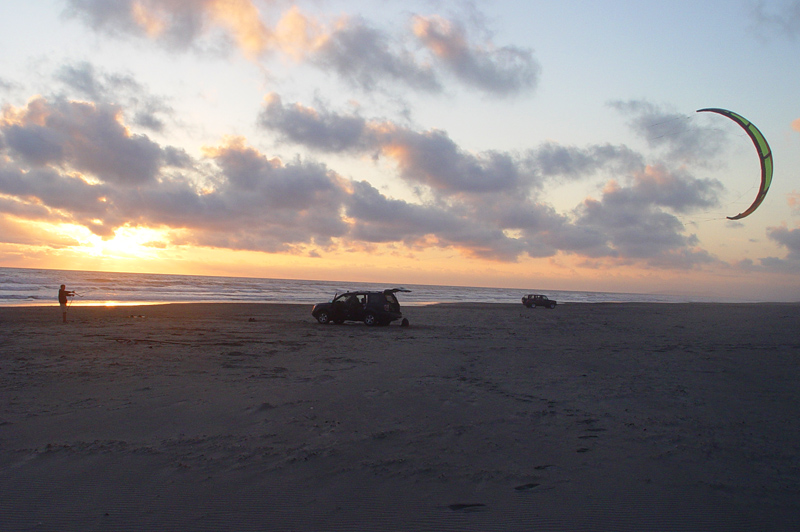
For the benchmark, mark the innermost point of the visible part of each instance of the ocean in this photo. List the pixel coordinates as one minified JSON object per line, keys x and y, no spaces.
{"x":21,"y":286}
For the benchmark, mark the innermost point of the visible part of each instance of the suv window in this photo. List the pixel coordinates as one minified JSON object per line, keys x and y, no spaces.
{"x":391,"y":299}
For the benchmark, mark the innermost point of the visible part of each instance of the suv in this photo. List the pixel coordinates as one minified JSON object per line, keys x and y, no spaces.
{"x":538,"y":300}
{"x":373,"y":308}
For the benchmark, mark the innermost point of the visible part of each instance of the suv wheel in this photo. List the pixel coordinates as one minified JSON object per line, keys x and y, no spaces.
{"x":370,"y":319}
{"x":323,"y":317}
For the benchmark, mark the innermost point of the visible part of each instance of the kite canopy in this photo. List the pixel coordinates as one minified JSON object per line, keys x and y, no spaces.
{"x":764,"y":153}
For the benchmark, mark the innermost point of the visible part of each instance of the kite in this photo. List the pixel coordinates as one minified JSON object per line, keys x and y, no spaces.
{"x":764,"y":153}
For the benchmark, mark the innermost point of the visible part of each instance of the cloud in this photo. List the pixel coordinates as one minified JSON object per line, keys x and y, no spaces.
{"x":793,"y":200}
{"x":630,"y":222}
{"x":381,"y":219}
{"x":319,"y":130}
{"x":83,"y":136}
{"x":677,"y":190}
{"x":796,"y":125}
{"x":682,"y":137}
{"x":5,"y":85}
{"x":361,"y":55}
{"x":787,"y":238}
{"x":500,"y":71}
{"x":428,"y":158}
{"x":85,"y":81}
{"x":555,"y":160}
{"x":492,"y":192}
{"x":783,"y":20}
{"x":635,"y":229}
{"x":78,"y":162}
{"x":46,"y":195}
{"x":431,"y":158}
{"x":13,"y":231}
{"x":366,"y":58}
{"x":178,"y":24}
{"x":258,"y":203}
{"x":356,"y":51}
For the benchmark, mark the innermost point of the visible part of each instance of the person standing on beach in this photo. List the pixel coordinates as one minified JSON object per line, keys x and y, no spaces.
{"x":63,"y":294}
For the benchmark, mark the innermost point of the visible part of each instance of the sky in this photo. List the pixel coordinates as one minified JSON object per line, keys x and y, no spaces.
{"x":522,"y":144}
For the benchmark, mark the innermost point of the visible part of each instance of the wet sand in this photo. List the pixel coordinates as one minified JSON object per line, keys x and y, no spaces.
{"x":475,"y":418}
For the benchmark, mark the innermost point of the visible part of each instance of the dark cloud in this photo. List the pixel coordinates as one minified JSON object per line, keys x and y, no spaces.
{"x":556,"y":160}
{"x":770,"y":20}
{"x":85,"y":81}
{"x":362,"y":55}
{"x":634,"y":228}
{"x":322,"y":130}
{"x":380,"y":219}
{"x":258,"y":203}
{"x":78,"y":162}
{"x":787,"y":238}
{"x":431,"y":158}
{"x":491,"y":192}
{"x":48,"y":195}
{"x":685,"y":138}
{"x":500,"y":71}
{"x":677,"y":190}
{"x":86,"y":137}
{"x":176,"y":23}
{"x":35,"y":144}
{"x":366,"y":58}
{"x":428,"y":158}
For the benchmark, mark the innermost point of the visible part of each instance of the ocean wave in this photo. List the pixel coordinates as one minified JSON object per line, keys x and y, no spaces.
{"x":30,"y":286}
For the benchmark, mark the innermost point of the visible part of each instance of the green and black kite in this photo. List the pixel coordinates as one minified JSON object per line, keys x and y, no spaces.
{"x":764,"y":153}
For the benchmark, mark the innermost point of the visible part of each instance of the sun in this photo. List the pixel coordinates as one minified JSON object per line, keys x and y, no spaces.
{"x":128,"y":242}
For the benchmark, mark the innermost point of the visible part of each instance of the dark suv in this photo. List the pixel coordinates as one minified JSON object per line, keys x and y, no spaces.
{"x":373,"y":308}
{"x":538,"y":300}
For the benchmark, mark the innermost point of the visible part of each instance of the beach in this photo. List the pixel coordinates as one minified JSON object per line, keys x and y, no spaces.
{"x":476,"y":417}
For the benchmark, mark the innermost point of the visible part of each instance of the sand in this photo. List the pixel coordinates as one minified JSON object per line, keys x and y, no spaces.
{"x":208,"y":417}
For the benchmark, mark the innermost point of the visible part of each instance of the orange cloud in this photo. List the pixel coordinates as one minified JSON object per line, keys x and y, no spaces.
{"x":152,"y":23}
{"x":296,"y":34}
{"x":242,"y":18}
{"x":237,"y":144}
{"x":35,"y":113}
{"x":796,"y":125}
{"x":440,"y":35}
{"x":793,"y":199}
